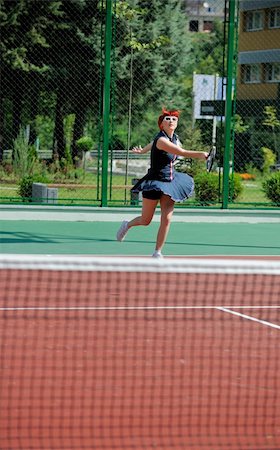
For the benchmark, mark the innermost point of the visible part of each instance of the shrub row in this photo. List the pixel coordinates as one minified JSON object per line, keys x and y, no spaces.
{"x":206,"y":187}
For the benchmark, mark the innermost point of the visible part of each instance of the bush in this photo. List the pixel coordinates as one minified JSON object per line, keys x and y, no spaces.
{"x":7,"y":172}
{"x":235,"y":186}
{"x":24,"y":155}
{"x":271,"y":187}
{"x":25,"y":185}
{"x":192,"y":167}
{"x":206,"y":188}
{"x":269,"y":159}
{"x":84,"y":144}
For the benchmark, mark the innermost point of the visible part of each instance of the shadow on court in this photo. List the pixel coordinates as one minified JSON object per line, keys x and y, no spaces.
{"x":16,"y":237}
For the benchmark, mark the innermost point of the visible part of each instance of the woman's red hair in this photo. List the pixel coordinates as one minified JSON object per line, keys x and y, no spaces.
{"x":173,"y":112}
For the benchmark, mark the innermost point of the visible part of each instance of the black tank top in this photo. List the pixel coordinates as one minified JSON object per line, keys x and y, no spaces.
{"x":162,"y":163}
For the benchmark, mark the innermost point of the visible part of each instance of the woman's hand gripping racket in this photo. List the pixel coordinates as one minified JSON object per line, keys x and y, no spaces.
{"x":210,"y":159}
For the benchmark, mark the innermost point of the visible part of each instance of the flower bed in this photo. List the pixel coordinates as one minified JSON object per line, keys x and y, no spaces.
{"x":247,"y":176}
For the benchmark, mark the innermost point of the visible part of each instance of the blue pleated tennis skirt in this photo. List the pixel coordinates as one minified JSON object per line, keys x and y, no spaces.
{"x":179,"y":189}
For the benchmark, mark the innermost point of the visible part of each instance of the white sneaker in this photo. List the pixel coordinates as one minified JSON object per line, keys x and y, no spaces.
{"x":122,"y":231}
{"x":157,"y":254}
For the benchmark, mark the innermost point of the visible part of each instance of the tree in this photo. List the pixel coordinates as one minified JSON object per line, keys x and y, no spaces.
{"x":208,"y":50}
{"x":52,"y":54}
{"x":272,"y":121}
{"x":22,"y":52}
{"x":49,"y":46}
{"x":152,"y":59}
{"x":74,"y":59}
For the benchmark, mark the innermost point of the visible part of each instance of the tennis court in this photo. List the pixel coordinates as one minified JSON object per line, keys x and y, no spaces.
{"x":117,"y":352}
{"x":90,"y":231}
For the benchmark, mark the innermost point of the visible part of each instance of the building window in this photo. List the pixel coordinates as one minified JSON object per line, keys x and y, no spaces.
{"x":210,"y":9}
{"x":207,"y":25}
{"x":272,"y":73}
{"x":274,"y":18}
{"x":254,"y":21}
{"x":251,"y":73}
{"x":194,"y":25}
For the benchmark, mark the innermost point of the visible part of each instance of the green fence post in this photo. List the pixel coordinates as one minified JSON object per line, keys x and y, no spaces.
{"x":106,"y":102}
{"x":229,"y":102}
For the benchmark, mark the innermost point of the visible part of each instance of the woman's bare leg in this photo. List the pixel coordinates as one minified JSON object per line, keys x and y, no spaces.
{"x":148,"y":210}
{"x":167,"y":208}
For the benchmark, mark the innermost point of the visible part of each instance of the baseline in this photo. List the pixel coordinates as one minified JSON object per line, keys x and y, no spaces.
{"x":140,"y":308}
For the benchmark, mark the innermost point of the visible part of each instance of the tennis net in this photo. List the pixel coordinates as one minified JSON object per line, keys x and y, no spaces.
{"x":126,"y":353}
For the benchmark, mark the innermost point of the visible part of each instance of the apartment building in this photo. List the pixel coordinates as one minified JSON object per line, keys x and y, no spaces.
{"x":202,"y":14}
{"x":258,"y":78}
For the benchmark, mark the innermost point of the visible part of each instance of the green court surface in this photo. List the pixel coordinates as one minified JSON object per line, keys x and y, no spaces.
{"x":85,"y":231}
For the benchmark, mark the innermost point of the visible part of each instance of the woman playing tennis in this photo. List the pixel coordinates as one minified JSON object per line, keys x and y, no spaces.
{"x":162,"y":184}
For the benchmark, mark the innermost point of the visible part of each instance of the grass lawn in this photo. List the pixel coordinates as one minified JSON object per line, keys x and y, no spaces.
{"x":74,"y":193}
{"x":252,"y":192}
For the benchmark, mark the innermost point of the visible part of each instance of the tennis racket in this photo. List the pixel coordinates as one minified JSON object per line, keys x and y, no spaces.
{"x":211,"y":158}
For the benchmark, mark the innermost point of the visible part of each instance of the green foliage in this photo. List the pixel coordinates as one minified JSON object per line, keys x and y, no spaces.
{"x":191,"y":166}
{"x":192,"y":138}
{"x":155,"y":46}
{"x":25,"y":185}
{"x":272,"y":121}
{"x":155,"y":43}
{"x":208,"y":51}
{"x":151,"y":35}
{"x":84,"y":144}
{"x":235,"y":186}
{"x":69,"y":173}
{"x":24,"y":155}
{"x":206,"y":188}
{"x":239,"y":126}
{"x":269,"y":159}
{"x":63,"y":171}
{"x":141,"y":134}
{"x":271,"y":117}
{"x":271,"y":187}
{"x":68,"y":124}
{"x":260,"y":138}
{"x":23,"y":29}
{"x":44,"y":127}
{"x":252,"y":170}
{"x":58,"y":88}
{"x":7,"y":172}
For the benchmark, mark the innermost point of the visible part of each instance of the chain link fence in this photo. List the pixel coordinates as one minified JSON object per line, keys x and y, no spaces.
{"x":51,"y":98}
{"x":83,"y":81}
{"x":257,"y":129}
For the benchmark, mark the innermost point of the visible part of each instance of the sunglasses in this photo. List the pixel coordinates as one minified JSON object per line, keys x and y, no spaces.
{"x":170,"y":118}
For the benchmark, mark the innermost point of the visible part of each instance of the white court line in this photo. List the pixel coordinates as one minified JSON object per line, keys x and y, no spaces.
{"x":111,"y":214}
{"x":149,"y":308}
{"x":244,"y":316}
{"x":133,"y":308}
